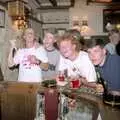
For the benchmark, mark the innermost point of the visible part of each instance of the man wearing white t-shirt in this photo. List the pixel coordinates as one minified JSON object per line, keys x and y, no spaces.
{"x":74,"y":60}
{"x":31,"y":59}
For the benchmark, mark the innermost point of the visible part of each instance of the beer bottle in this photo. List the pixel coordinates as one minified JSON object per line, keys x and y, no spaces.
{"x":101,"y":81}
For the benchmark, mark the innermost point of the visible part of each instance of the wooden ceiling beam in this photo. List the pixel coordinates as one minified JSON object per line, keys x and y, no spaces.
{"x":72,"y":3}
{"x":38,"y":2}
{"x":54,"y":2}
{"x":51,"y":7}
{"x":87,"y":2}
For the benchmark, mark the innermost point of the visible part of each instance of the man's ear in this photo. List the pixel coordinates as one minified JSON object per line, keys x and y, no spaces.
{"x":55,"y":40}
{"x":74,"y":46}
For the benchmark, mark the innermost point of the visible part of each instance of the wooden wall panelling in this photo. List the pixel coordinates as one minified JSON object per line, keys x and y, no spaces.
{"x":18,"y":101}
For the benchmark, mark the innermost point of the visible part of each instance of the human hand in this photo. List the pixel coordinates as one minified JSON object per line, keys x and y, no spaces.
{"x":83,"y":80}
{"x":13,"y":43}
{"x":72,"y":103}
{"x":32,"y":59}
{"x":99,"y":88}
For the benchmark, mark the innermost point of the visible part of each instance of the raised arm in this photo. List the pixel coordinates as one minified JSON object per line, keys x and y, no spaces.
{"x":12,"y":53}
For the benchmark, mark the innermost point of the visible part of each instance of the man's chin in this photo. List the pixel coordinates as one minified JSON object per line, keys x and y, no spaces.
{"x":65,"y":56}
{"x":95,"y":63}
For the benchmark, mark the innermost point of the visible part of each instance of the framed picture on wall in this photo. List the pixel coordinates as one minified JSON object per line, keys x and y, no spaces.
{"x":61,"y":31}
{"x":111,"y":16}
{"x":2,"y":18}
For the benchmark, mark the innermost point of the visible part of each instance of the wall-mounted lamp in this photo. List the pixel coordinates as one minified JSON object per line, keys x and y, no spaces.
{"x":84,"y":26}
{"x":20,"y":23}
{"x":84,"y":23}
{"x":80,"y":24}
{"x":16,"y":9}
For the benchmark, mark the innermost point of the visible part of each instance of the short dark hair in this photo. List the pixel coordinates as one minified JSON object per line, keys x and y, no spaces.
{"x":95,"y":42}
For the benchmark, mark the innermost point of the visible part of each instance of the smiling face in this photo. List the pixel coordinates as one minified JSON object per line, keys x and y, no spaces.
{"x":97,"y":55}
{"x":29,"y":35}
{"x":67,"y":49}
{"x":49,"y":41}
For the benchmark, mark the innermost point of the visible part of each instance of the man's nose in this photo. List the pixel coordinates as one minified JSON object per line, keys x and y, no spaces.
{"x":63,"y":49}
{"x":92,"y":55}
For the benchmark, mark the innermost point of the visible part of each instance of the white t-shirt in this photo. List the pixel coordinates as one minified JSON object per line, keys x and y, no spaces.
{"x":30,"y":72}
{"x":80,"y":66}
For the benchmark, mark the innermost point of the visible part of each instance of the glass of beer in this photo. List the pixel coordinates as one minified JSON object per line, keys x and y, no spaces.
{"x":75,"y":82}
{"x":61,"y":76}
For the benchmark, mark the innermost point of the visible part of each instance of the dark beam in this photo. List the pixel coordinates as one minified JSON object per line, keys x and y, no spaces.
{"x":3,"y":4}
{"x":35,"y":19}
{"x":87,"y":2}
{"x":54,"y":3}
{"x":38,"y":2}
{"x":51,"y":7}
{"x":72,"y":3}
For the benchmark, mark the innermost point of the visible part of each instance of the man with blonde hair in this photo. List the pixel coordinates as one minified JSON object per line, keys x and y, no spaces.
{"x":31,"y":59}
{"x":75,"y":60}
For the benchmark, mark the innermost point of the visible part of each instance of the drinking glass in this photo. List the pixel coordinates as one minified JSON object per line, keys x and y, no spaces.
{"x":61,"y":76}
{"x":75,"y":82}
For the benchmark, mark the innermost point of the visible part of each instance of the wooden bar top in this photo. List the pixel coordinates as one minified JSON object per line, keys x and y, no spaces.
{"x":106,"y":112}
{"x":29,"y":90}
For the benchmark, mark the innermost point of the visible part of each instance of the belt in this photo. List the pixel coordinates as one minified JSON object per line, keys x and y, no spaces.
{"x":112,"y":98}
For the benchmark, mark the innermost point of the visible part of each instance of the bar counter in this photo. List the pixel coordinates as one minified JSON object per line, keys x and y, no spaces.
{"x":107,"y":112}
{"x":18,"y":101}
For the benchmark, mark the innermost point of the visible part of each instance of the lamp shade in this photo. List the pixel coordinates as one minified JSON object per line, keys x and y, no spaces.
{"x":16,"y":8}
